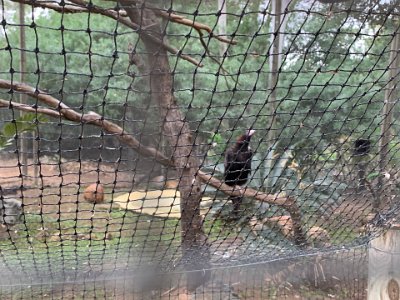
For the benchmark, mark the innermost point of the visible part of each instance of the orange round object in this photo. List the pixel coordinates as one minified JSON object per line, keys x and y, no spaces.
{"x":171,"y":184}
{"x":94,"y":193}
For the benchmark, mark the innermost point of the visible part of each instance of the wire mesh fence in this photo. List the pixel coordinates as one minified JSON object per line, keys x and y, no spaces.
{"x":218,"y":147}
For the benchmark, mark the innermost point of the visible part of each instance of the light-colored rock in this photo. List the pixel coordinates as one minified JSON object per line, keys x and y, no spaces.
{"x":10,"y":211}
{"x":158,"y":203}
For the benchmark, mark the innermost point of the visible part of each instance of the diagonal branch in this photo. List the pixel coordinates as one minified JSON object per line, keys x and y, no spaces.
{"x":121,"y":16}
{"x":66,"y":9}
{"x":60,"y":109}
{"x":29,"y":108}
{"x":243,"y":192}
{"x":196,"y":25}
{"x":91,"y":118}
{"x":288,"y":203}
{"x":63,"y":111}
{"x":84,"y":7}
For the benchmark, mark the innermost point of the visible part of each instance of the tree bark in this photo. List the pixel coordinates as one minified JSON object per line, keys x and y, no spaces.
{"x":384,"y":260}
{"x":222,"y":26}
{"x":179,"y":136}
{"x":23,"y":151}
{"x":387,"y":113}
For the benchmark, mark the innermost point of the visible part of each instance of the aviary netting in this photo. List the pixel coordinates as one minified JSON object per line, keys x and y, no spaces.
{"x":116,"y":116}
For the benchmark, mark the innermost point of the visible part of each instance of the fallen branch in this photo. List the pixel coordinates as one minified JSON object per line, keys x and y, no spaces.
{"x":60,"y":109}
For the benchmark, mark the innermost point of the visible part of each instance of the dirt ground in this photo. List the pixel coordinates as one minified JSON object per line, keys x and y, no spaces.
{"x":55,"y":209}
{"x":59,"y":188}
{"x":62,"y":174}
{"x":58,"y":191}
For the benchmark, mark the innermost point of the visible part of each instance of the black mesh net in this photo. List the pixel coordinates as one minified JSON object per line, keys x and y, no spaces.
{"x":213,"y":149}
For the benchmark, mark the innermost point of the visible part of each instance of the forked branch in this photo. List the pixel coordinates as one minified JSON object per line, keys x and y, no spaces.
{"x":84,"y":7}
{"x":80,"y":6}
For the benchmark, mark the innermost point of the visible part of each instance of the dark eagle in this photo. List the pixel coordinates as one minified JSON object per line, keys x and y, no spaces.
{"x":238,"y":165}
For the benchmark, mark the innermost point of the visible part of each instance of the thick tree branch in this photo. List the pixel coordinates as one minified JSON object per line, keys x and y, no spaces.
{"x":85,"y":7}
{"x":288,"y":203}
{"x":69,"y":114}
{"x":66,"y":9}
{"x":121,"y":16}
{"x":28,"y":108}
{"x":175,"y":18}
{"x":243,"y":192}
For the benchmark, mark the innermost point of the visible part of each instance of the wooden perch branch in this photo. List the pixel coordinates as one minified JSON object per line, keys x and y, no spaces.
{"x":288,"y":203}
{"x":83,"y":7}
{"x":243,"y":192}
{"x":62,"y":110}
{"x":66,"y":9}
{"x":28,"y":108}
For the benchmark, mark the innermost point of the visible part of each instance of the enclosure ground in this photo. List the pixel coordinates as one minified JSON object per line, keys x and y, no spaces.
{"x":59,"y":223}
{"x":253,"y":282}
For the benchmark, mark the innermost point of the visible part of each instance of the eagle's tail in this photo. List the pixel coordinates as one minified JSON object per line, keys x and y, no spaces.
{"x":236,"y":200}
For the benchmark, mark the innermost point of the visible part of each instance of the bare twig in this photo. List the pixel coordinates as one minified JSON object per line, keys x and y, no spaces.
{"x":225,"y":72}
{"x":196,"y":25}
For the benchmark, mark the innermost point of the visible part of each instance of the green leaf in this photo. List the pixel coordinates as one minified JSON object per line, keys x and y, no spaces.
{"x":27,"y":122}
{"x":373,"y":175}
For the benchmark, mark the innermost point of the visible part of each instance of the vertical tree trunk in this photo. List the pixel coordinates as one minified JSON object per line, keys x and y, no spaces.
{"x":23,"y":141}
{"x":384,"y":271}
{"x":388,"y":106}
{"x":278,"y":24}
{"x":222,"y":25}
{"x":35,"y":150}
{"x":179,"y":136}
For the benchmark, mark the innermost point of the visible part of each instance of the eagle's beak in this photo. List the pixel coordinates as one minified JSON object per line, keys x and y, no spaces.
{"x":250,"y":132}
